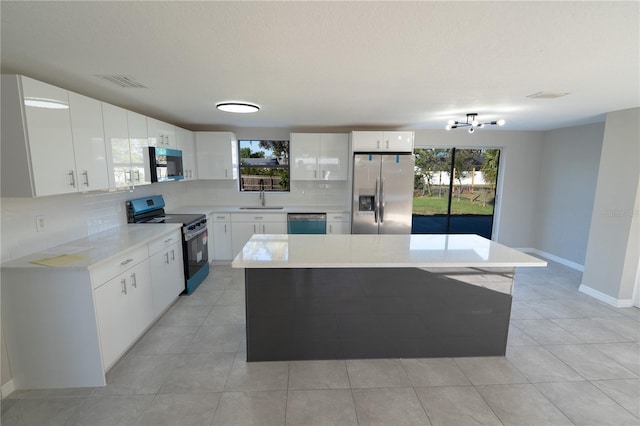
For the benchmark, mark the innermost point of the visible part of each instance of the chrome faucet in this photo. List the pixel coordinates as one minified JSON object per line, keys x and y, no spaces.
{"x":262,"y":192}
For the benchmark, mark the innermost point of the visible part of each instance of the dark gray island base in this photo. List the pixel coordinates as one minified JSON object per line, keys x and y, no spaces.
{"x":346,"y":313}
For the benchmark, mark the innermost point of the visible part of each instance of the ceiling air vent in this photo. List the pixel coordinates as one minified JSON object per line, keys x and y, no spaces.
{"x":547,"y":95}
{"x":123,"y":81}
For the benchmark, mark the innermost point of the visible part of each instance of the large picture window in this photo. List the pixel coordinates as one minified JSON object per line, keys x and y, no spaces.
{"x":264,"y":165}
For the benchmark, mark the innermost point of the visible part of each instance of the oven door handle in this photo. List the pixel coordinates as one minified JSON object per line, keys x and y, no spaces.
{"x":192,"y":236}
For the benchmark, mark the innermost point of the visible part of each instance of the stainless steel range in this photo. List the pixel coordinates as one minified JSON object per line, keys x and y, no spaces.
{"x":194,"y":235}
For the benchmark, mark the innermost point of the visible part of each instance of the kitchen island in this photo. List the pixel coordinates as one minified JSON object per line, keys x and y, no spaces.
{"x":377,"y":296}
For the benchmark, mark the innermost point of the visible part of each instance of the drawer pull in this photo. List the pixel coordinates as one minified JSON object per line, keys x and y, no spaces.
{"x":124,"y":262}
{"x":168,"y":240}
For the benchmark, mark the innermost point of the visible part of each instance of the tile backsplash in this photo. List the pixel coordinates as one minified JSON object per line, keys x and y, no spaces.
{"x":73,"y":216}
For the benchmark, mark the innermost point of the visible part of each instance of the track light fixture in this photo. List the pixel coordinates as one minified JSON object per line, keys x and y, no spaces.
{"x":473,"y":123}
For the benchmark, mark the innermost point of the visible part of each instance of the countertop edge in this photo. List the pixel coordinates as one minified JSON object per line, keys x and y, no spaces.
{"x":112,"y":246}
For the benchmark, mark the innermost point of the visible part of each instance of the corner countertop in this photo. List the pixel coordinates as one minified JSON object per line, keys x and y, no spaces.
{"x":202,"y":209}
{"x":98,"y":248}
{"x":378,"y":251}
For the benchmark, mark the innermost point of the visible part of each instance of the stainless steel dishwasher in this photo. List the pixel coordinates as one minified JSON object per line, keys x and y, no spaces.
{"x":307,"y":223}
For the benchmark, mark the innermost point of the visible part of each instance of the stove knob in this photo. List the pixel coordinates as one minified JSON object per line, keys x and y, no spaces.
{"x":192,"y":227}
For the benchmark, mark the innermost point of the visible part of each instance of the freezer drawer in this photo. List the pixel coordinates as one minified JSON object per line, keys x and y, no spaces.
{"x":307,"y":223}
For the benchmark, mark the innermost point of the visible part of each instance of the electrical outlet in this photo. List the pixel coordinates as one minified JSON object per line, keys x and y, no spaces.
{"x":40,"y":223}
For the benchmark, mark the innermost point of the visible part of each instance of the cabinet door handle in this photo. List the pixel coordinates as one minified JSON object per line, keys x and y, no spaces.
{"x":378,"y":144}
{"x":330,"y":228}
{"x":225,"y":173}
{"x":387,"y":143}
{"x":124,"y":262}
{"x":73,"y":179}
{"x":128,"y":179}
{"x":173,"y":255}
{"x":137,"y":172}
{"x":264,"y":229}
{"x":124,"y":285}
{"x":225,"y":228}
{"x":86,"y":177}
{"x":315,"y":174}
{"x":166,"y":258}
{"x":254,"y":228}
{"x":134,"y":281}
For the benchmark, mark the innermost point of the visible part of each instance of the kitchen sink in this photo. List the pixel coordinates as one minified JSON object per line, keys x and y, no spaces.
{"x":261,"y":208}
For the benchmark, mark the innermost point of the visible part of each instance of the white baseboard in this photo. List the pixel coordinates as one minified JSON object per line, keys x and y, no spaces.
{"x":7,"y":388}
{"x":557,"y":259}
{"x":609,"y":300}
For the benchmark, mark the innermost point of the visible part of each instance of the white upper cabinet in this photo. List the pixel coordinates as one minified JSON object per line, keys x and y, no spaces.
{"x":37,"y":145}
{"x":217,"y":155}
{"x":304,"y":152}
{"x":333,"y":163}
{"x":126,"y":141}
{"x":116,"y":134}
{"x":161,"y":133}
{"x":319,"y":156}
{"x":186,"y":142}
{"x":138,"y":144}
{"x":88,"y":143}
{"x":375,"y":141}
{"x":52,"y":140}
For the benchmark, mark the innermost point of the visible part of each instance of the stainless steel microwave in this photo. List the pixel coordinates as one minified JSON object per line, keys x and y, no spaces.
{"x":165,"y":164}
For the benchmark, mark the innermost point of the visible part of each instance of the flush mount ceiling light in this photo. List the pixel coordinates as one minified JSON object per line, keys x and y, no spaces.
{"x":237,"y":107}
{"x":45,"y":103}
{"x":473,"y":123}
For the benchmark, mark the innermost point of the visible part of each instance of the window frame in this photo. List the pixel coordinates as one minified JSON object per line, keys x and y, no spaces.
{"x":283,"y":164}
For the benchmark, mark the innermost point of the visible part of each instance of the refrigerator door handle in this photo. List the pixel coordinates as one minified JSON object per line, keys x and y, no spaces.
{"x":382,"y":200}
{"x":377,"y":202}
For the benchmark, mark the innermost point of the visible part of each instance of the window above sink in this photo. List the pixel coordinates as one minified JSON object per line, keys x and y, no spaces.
{"x":264,"y":165}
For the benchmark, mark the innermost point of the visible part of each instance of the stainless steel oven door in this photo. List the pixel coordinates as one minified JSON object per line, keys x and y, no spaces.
{"x":196,"y":251}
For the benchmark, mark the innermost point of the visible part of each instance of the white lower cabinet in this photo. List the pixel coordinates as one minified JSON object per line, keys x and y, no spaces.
{"x":167,"y":271}
{"x":124,"y":308}
{"x":220,"y":225}
{"x":338,"y":223}
{"x":244,"y":225}
{"x":65,"y":327}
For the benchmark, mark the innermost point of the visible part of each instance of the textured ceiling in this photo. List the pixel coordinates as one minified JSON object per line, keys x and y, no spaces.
{"x":336,"y":64}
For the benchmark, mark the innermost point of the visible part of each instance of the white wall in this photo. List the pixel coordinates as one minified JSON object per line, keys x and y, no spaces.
{"x":519,"y":173}
{"x":611,"y":260}
{"x":566,"y":190}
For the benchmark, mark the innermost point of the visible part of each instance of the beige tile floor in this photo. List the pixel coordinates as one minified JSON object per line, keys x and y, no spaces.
{"x":570,"y":360}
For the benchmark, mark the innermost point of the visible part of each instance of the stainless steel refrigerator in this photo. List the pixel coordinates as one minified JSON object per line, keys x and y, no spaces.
{"x":382,"y":193}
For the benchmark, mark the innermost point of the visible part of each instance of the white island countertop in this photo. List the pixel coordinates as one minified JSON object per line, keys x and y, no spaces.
{"x":378,"y":251}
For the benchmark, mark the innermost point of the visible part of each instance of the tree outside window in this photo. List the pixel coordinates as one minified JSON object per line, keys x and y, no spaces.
{"x":264,"y":165}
